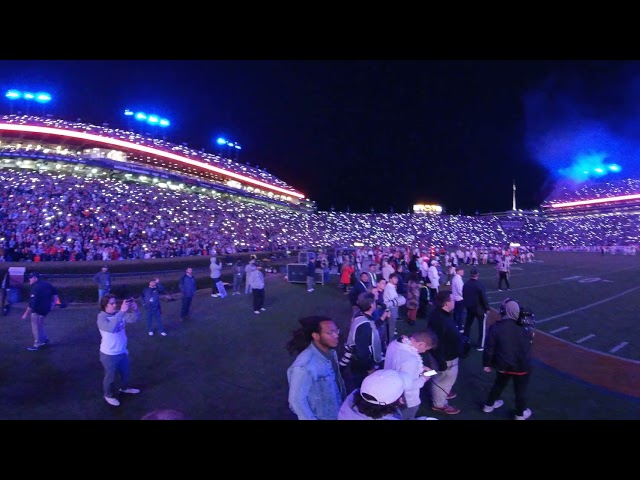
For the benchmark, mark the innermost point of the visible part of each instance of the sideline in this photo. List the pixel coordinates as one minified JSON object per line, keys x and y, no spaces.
{"x":599,"y":302}
{"x":607,"y":371}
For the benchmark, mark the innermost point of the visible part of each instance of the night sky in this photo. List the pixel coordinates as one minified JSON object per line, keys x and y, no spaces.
{"x":366,"y":134}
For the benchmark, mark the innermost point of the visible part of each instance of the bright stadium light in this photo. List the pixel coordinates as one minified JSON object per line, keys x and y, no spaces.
{"x":228,"y":147}
{"x":13,"y":94}
{"x":40,"y":97}
{"x":151,"y":119}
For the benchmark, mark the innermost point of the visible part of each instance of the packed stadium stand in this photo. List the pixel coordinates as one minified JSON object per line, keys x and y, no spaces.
{"x":75,"y":191}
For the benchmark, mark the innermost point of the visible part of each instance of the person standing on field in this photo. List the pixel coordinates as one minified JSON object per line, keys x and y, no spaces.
{"x":103,"y":279}
{"x":187,"y":285}
{"x":42,"y":298}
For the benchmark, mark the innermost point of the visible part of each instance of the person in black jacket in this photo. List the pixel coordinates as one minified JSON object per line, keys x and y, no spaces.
{"x":361,"y":286}
{"x":151,"y":302}
{"x":474,"y":295}
{"x":187,"y":285}
{"x":42,"y":298}
{"x":508,"y":351}
{"x":447,"y":353}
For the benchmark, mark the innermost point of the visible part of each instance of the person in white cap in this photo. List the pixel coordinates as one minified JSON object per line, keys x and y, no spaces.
{"x":405,"y":355}
{"x":379,"y":397}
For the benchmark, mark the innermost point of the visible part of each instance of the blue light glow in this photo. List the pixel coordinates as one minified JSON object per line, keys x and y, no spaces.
{"x":13,"y":94}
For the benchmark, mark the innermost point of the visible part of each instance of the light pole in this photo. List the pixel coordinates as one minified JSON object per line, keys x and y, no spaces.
{"x":14,"y":95}
{"x":232,"y":148}
{"x":153,"y":120}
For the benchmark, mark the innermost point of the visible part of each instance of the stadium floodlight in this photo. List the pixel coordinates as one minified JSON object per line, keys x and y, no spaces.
{"x":614,"y":167}
{"x":13,"y":94}
{"x":151,"y":119}
{"x":42,"y":97}
{"x":231,"y":146}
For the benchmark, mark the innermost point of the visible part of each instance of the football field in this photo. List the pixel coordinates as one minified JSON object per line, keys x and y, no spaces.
{"x":227,"y":363}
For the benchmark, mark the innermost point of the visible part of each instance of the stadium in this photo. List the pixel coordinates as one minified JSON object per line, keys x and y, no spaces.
{"x":87,"y":194}
{"x":280,"y":217}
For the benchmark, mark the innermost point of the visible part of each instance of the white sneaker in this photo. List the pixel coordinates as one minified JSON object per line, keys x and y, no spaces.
{"x":491,"y":408}
{"x":129,"y":390}
{"x":257,"y":312}
{"x":164,"y":334}
{"x":310,"y":290}
{"x":151,"y":334}
{"x":425,"y":418}
{"x":526,"y":414}
{"x":263,"y":309}
{"x":112,"y":401}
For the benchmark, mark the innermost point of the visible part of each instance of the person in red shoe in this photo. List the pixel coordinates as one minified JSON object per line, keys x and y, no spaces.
{"x":114,"y":355}
{"x":446,"y":353}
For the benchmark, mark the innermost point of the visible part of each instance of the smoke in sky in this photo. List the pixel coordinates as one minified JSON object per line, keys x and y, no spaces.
{"x":583,"y":124}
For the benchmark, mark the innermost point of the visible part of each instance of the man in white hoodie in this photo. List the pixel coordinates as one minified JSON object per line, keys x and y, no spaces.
{"x":404,"y":355}
{"x":434,"y":279}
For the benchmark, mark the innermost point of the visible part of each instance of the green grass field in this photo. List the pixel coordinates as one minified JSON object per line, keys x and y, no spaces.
{"x":229,"y":363}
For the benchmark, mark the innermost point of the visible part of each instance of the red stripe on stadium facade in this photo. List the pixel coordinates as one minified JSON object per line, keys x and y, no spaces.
{"x":144,"y":149}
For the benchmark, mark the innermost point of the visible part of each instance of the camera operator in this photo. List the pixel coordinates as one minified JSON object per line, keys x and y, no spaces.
{"x":508,"y":351}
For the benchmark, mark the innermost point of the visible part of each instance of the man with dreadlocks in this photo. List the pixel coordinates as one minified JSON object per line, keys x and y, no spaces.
{"x":316,"y":387}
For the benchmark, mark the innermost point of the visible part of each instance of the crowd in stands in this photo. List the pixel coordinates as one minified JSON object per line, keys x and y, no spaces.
{"x":60,"y":216}
{"x":570,"y":192}
{"x":221,"y":162}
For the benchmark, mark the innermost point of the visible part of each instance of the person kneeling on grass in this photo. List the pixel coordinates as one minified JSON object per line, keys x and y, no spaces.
{"x":113,"y":346}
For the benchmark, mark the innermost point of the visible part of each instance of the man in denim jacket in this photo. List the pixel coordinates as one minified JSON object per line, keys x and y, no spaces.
{"x":316,"y":387}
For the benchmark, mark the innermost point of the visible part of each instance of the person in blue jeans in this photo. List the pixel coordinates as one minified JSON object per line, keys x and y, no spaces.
{"x":238,"y":272}
{"x":151,"y":302}
{"x":187,"y":285}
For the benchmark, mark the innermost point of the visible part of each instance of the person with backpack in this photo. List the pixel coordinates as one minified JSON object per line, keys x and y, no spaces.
{"x":363,"y":344}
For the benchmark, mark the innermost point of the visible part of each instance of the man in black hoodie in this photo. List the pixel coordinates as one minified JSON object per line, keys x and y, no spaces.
{"x":508,"y":351}
{"x":474,"y":295}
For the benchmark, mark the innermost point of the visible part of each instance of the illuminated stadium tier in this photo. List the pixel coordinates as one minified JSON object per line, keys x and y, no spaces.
{"x":41,"y":140}
{"x":594,"y":198}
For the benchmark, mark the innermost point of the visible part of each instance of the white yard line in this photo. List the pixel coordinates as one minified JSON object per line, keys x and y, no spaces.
{"x":618,"y":347}
{"x":600,"y":302}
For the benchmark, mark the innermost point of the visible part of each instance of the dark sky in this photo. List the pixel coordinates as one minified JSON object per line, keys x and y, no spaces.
{"x":382,"y":134}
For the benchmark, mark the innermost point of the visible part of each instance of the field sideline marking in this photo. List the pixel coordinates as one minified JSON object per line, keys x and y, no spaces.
{"x":618,"y":347}
{"x":597,"y":352}
{"x":584,"y":339}
{"x":605,"y":300}
{"x":558,"y":329}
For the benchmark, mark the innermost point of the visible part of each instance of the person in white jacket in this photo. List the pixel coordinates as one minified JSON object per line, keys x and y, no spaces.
{"x":404,"y":355}
{"x":216,"y":271}
{"x":434,"y":279}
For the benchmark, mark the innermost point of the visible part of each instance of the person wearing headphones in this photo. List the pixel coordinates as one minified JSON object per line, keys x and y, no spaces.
{"x":507,"y":350}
